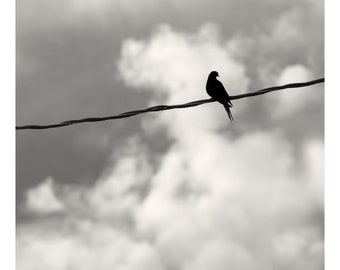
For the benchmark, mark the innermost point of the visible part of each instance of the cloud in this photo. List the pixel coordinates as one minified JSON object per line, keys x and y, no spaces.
{"x":190,"y":54}
{"x":292,"y":38}
{"x":73,"y":13}
{"x":88,"y":246}
{"x":287,"y":103}
{"x":118,"y":193}
{"x":231,"y":203}
{"x":314,"y":163}
{"x":213,"y":199}
{"x":42,"y":199}
{"x":217,"y":200}
{"x":227,"y":202}
{"x":175,"y":65}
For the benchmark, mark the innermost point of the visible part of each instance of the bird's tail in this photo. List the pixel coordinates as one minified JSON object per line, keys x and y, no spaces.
{"x":227,"y":107}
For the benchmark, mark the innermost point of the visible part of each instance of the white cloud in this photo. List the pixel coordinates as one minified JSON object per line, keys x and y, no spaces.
{"x":314,"y":162}
{"x":116,"y":195}
{"x":212,"y":192}
{"x":87,"y":246}
{"x":287,"y":103}
{"x":212,"y":205}
{"x":175,"y":67}
{"x":42,"y":198}
{"x":288,"y":30}
{"x":178,"y":63}
{"x":213,"y":200}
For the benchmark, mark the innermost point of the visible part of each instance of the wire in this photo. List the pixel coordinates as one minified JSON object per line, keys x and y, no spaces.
{"x":170,"y":107}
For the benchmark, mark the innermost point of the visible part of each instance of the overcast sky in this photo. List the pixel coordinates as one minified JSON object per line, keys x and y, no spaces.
{"x":181,"y":189}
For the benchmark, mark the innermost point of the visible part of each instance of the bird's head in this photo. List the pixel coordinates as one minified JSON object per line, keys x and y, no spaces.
{"x":213,"y":74}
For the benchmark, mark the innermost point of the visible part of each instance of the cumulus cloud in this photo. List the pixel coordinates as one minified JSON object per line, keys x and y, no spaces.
{"x":212,"y":201}
{"x":287,"y":103}
{"x":314,"y":163}
{"x":212,"y":205}
{"x":88,"y":246}
{"x":118,"y":193}
{"x":175,"y":67}
{"x":42,"y":199}
{"x":220,"y":197}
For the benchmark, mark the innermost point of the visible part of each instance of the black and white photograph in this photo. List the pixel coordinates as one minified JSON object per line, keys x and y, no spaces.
{"x":169,"y":135}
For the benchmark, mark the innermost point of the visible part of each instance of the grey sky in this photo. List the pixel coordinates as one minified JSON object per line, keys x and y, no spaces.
{"x":131,"y":179}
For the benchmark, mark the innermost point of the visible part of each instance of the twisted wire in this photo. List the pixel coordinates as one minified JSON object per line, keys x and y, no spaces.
{"x":169,"y":107}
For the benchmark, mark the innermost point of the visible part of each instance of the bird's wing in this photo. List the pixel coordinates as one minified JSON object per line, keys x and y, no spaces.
{"x":221,"y":89}
{"x":219,"y":86}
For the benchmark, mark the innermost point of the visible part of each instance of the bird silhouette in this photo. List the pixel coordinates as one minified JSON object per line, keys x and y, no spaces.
{"x":216,"y":90}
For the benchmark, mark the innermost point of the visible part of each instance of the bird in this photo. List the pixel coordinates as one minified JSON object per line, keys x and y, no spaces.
{"x":216,"y":90}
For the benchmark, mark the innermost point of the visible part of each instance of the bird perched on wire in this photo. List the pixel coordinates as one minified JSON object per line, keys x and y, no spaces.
{"x":216,"y":90}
